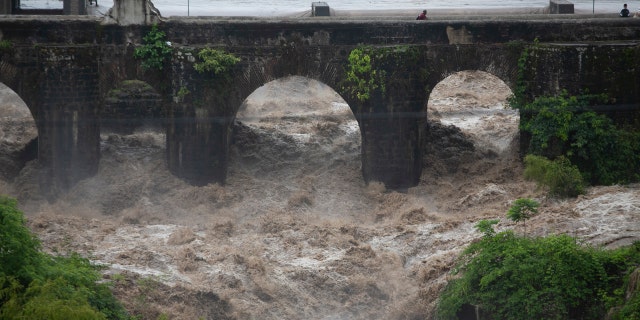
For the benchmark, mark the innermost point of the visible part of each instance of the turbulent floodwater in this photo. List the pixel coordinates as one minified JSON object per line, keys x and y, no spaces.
{"x":296,"y":233}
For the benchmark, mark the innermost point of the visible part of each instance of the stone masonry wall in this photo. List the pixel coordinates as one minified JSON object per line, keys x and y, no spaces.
{"x":64,"y":68}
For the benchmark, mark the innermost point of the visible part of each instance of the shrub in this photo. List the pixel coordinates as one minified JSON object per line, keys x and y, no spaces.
{"x":513,"y":277}
{"x":625,"y":302}
{"x":5,"y":45}
{"x":563,"y":125}
{"x":215,"y":61}
{"x":362,"y":79}
{"x":486,"y":227}
{"x":34,"y":285}
{"x":630,"y":309}
{"x":559,"y":176}
{"x":505,"y":276}
{"x":155,"y":51}
{"x":19,"y":248}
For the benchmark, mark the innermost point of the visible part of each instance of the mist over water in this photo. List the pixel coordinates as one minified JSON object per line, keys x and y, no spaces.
{"x":295,"y":232}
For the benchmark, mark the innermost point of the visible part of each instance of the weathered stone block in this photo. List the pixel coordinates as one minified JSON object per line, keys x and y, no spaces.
{"x":74,"y":7}
{"x":560,"y":7}
{"x":320,"y":9}
{"x":5,"y":6}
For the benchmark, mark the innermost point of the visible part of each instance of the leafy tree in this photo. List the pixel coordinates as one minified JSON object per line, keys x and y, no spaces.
{"x":522,"y":210}
{"x":19,"y":248}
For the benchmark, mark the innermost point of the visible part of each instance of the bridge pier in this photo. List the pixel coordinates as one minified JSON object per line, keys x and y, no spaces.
{"x":68,"y":147}
{"x":198,"y":147}
{"x":391,"y":150}
{"x":199,"y":127}
{"x":63,"y":98}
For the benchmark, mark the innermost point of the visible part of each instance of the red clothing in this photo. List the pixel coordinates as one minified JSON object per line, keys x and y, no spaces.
{"x":422,"y":16}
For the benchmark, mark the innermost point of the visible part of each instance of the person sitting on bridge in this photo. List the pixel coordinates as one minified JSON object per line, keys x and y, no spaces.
{"x":624,"y":12}
{"x":422,"y":16}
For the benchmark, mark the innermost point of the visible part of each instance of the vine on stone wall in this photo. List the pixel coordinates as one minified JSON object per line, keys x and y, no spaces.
{"x":361,"y":77}
{"x":518,"y":100}
{"x":379,"y":70}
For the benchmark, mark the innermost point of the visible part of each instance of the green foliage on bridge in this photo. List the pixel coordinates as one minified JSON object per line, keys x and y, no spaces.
{"x":35,"y":285}
{"x":378,"y":72}
{"x":215,"y":61}
{"x":361,"y":76}
{"x":155,"y":51}
{"x":507,"y":276}
{"x":5,"y":45}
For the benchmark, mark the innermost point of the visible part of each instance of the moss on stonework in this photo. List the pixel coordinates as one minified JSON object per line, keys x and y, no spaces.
{"x":131,"y":88}
{"x":135,"y":85}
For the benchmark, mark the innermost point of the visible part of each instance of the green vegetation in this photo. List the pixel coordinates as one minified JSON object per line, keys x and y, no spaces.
{"x":34,"y":285}
{"x":629,"y":308}
{"x":155,"y":51}
{"x":518,"y":98}
{"x":372,"y":72}
{"x":559,"y":176}
{"x":182,"y":93}
{"x":361,"y":77}
{"x":516,"y":277}
{"x":509,"y":276}
{"x":486,"y":227}
{"x":5,"y":45}
{"x":567,"y":126}
{"x":564,"y":126}
{"x":522,"y":210}
{"x":215,"y":61}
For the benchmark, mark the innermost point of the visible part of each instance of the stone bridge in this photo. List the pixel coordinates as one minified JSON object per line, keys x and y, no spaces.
{"x":65,"y":67}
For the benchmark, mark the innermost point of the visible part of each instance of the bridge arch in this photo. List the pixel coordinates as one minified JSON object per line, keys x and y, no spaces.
{"x":289,"y":130}
{"x":130,"y":105}
{"x":293,"y":60}
{"x":214,"y":103}
{"x":492,"y":59}
{"x":476,"y":102}
{"x":18,"y":133}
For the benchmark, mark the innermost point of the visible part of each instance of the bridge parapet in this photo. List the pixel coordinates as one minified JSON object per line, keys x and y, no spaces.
{"x":560,"y":7}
